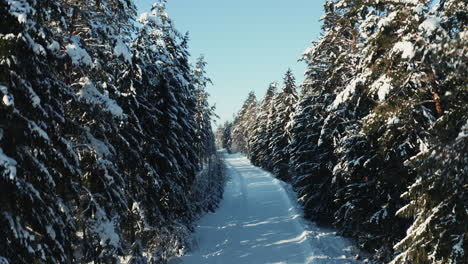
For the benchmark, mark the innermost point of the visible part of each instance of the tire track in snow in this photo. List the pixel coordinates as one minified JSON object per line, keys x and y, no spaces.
{"x":258,"y":222}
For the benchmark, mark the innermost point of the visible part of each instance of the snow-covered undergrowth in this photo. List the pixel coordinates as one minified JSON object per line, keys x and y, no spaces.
{"x":208,"y":188}
{"x":175,"y":238}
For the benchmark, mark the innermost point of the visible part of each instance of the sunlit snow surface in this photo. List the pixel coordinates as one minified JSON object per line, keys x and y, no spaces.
{"x":257,"y":223}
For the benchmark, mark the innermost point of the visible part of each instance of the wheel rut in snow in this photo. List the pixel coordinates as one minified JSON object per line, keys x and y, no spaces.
{"x":257,"y":222}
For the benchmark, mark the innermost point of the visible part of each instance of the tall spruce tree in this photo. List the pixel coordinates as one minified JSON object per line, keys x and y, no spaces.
{"x":260,"y":139}
{"x":38,"y":167}
{"x":332,"y":63}
{"x":242,"y":130}
{"x":204,"y":112}
{"x":381,"y":114}
{"x":95,"y":154}
{"x":438,"y":196}
{"x":227,"y":136}
{"x":284,"y":103}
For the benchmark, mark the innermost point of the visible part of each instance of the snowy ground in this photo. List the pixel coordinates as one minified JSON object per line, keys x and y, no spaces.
{"x":257,"y":223}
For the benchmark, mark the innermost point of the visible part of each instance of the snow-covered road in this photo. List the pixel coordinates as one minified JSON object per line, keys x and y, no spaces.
{"x":257,"y":223}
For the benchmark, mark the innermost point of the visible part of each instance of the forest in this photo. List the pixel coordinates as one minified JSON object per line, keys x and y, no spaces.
{"x":108,"y":155}
{"x":106,"y":147}
{"x":375,"y":140}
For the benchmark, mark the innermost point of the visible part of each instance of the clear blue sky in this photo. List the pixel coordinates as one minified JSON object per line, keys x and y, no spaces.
{"x":247,"y":43}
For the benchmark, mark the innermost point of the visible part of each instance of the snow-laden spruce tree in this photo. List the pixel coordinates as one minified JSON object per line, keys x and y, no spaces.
{"x":73,"y":118}
{"x":208,"y":185}
{"x":39,"y":168}
{"x":438,"y":203}
{"x":384,"y":108}
{"x":95,"y":135}
{"x":204,"y":112}
{"x":332,"y":64}
{"x":223,"y":136}
{"x":437,"y":199}
{"x":305,"y":169}
{"x":348,"y":196}
{"x":242,"y":129}
{"x":309,"y":164}
{"x":370,"y":162}
{"x":284,"y":104}
{"x":97,"y":45}
{"x":227,"y":136}
{"x":165,"y":67}
{"x":267,"y":151}
{"x":260,"y":139}
{"x":402,"y":79}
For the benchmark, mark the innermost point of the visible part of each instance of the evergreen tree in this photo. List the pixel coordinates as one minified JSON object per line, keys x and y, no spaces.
{"x":204,"y":112}
{"x":95,"y":136}
{"x":382,"y":109}
{"x":310,"y":156}
{"x":332,"y":63}
{"x":38,"y":166}
{"x":227,"y":136}
{"x":284,"y":108}
{"x":260,"y":139}
{"x":438,"y":196}
{"x":242,"y":129}
{"x":176,"y":159}
{"x":438,"y":203}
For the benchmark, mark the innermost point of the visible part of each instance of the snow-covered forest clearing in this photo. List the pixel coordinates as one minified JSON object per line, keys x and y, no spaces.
{"x":108,"y":155}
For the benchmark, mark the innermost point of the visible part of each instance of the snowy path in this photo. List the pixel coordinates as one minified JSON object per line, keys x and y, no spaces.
{"x":257,"y":223}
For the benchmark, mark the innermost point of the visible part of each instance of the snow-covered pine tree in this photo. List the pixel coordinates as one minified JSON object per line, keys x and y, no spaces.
{"x":166,"y":68}
{"x":398,"y":69}
{"x":219,"y":134}
{"x":346,"y":197}
{"x":242,"y":129}
{"x":438,"y":203}
{"x":332,"y":64}
{"x":267,"y":151}
{"x":227,"y":136}
{"x":38,"y":167}
{"x":305,"y":166}
{"x":99,"y":57}
{"x":366,"y":198}
{"x":223,"y":136}
{"x":260,"y":140}
{"x":438,"y":196}
{"x":143,"y":149}
{"x":94,"y":145}
{"x":204,"y":112}
{"x":306,"y":171}
{"x":382,"y":105}
{"x":284,"y":103}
